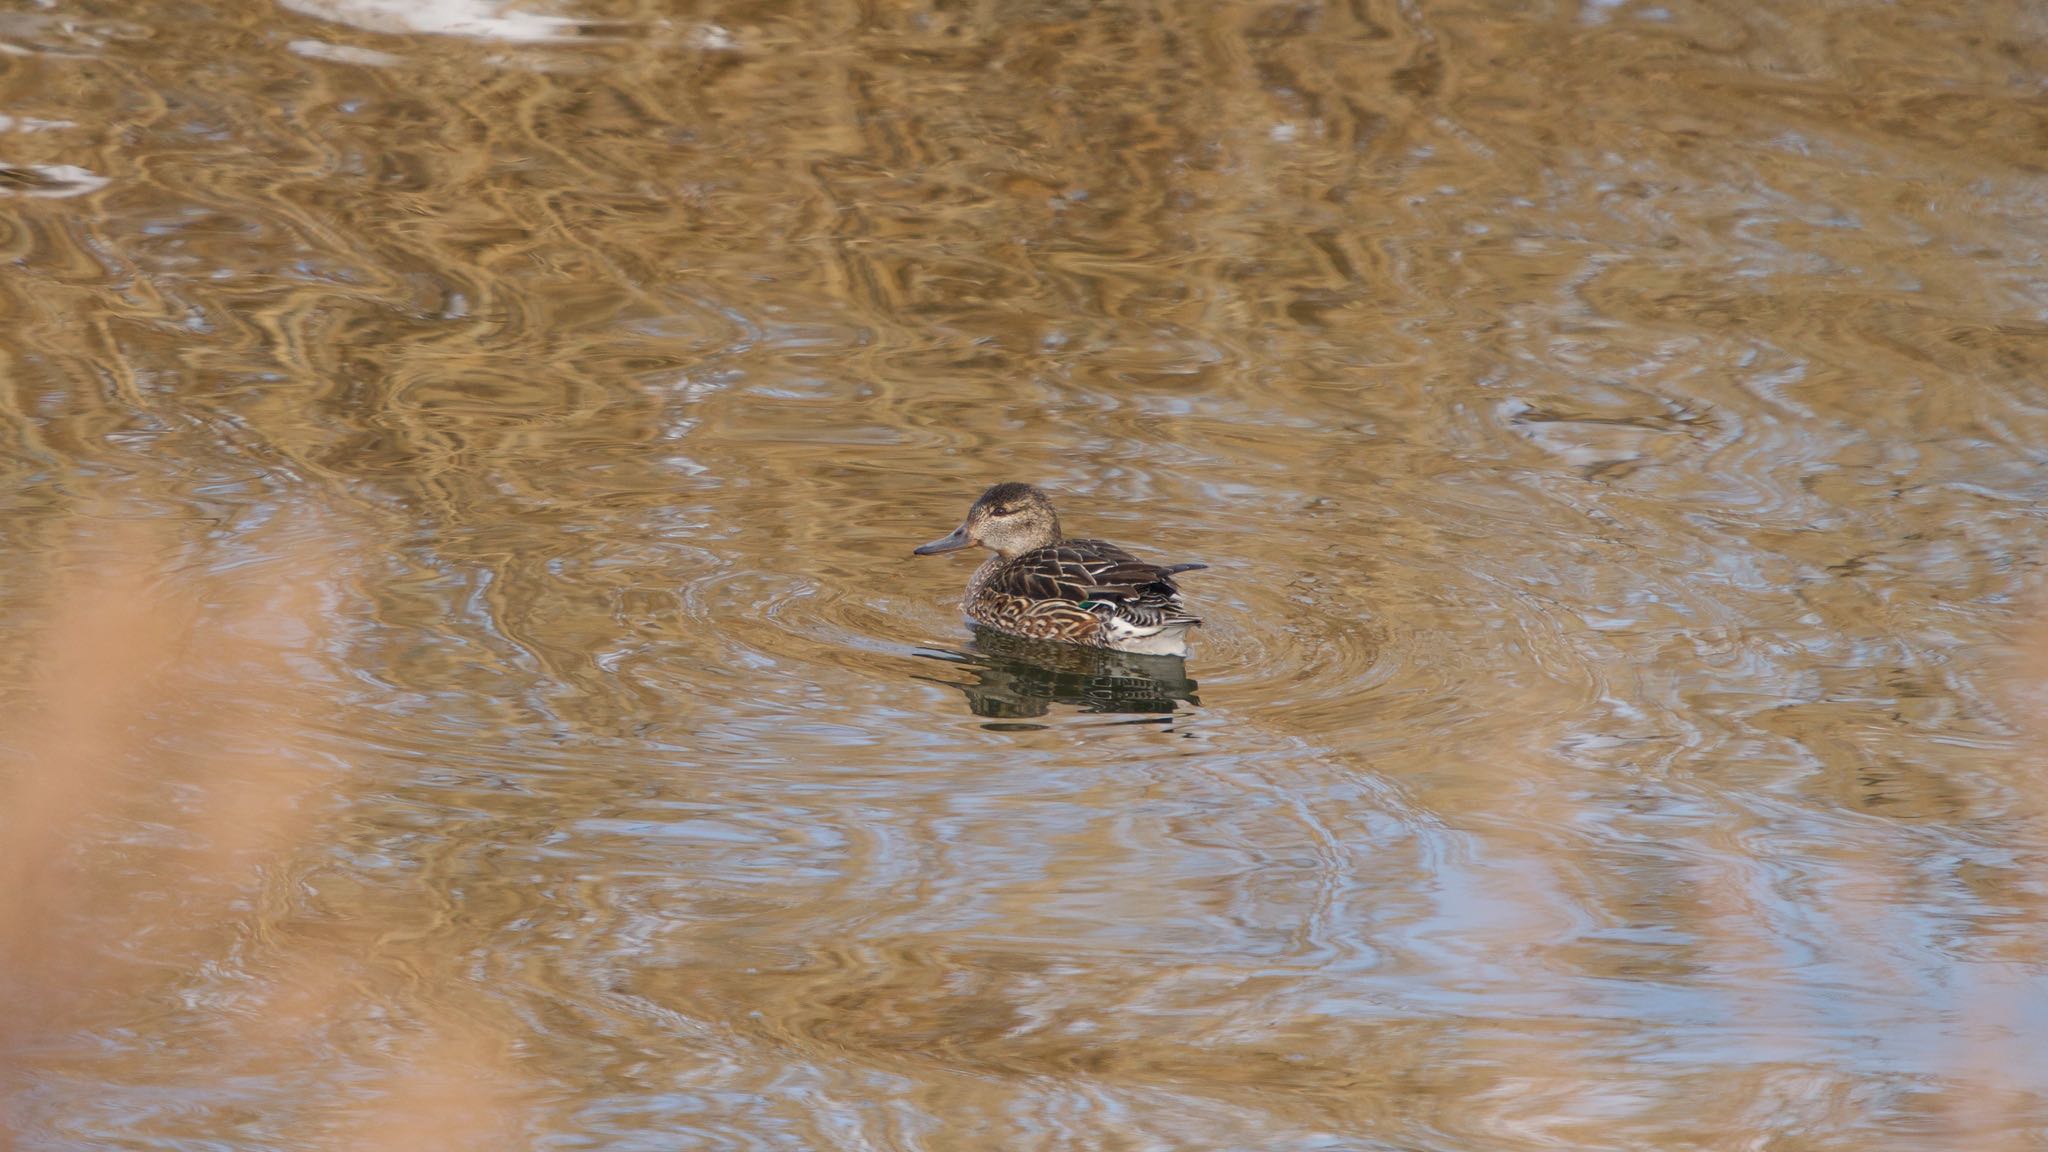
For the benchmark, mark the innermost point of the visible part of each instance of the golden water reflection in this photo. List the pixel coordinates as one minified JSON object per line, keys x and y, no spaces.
{"x":462,"y":683}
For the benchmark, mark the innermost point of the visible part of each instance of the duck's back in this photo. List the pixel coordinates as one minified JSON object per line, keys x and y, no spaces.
{"x":1085,"y":591}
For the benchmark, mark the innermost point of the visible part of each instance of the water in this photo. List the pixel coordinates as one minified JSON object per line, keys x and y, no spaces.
{"x":466,"y":683}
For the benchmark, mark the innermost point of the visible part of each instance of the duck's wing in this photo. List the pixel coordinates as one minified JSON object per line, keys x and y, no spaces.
{"x":1098,"y":577}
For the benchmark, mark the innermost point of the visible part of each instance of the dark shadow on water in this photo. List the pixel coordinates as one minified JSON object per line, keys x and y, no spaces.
{"x":1017,"y":679}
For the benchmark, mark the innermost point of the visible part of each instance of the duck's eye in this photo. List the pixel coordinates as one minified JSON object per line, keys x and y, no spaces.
{"x":1003,"y":512}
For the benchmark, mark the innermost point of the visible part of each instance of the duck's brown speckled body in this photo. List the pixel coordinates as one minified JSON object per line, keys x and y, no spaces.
{"x":1043,"y":587}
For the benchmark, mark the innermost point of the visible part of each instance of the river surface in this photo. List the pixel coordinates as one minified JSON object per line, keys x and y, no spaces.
{"x":466,"y":684}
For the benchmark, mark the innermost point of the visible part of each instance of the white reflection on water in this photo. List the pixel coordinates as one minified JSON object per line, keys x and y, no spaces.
{"x":483,"y":19}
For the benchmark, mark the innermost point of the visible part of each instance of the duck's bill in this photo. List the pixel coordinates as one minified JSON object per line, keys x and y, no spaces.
{"x":953,"y":543}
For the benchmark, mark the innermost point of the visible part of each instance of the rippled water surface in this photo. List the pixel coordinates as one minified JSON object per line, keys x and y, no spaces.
{"x":466,"y":684}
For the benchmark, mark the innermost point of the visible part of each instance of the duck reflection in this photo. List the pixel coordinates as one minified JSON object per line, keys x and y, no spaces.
{"x":1015,"y":678}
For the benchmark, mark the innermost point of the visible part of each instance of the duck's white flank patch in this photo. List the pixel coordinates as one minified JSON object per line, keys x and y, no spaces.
{"x":1165,"y":640}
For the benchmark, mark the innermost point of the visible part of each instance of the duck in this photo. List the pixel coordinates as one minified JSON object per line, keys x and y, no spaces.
{"x":1042,"y":586}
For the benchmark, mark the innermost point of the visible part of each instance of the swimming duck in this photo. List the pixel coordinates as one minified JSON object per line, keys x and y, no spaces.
{"x":1043,"y":587}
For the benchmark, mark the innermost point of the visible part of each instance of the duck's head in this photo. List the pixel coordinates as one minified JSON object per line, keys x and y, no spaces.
{"x":1009,"y":520}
